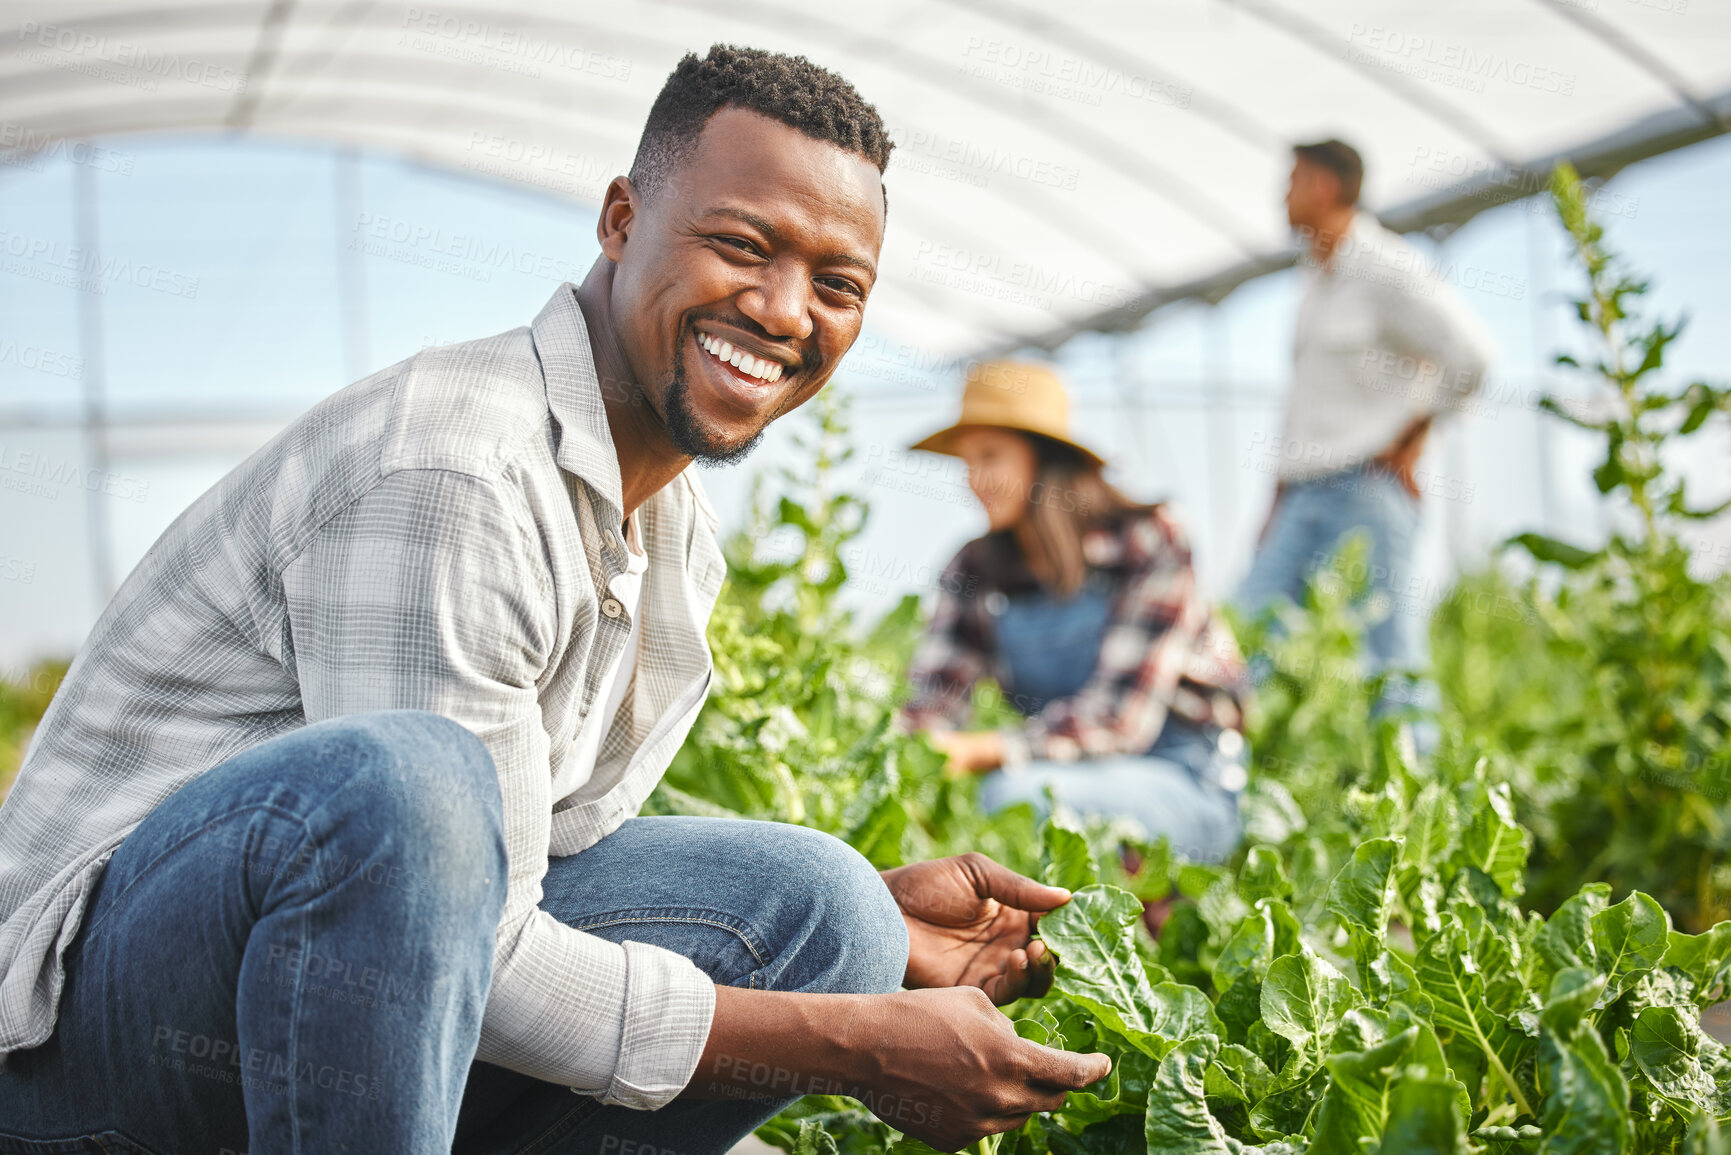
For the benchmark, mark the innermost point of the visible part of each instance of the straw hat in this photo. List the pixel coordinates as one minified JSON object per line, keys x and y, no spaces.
{"x":1011,"y":395}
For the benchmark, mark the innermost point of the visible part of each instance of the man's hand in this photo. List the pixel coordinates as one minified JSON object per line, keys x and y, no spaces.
{"x":1401,"y":459}
{"x":954,"y":1070}
{"x":940,"y":1065}
{"x":1273,"y":508}
{"x":969,"y":923}
{"x":969,"y":751}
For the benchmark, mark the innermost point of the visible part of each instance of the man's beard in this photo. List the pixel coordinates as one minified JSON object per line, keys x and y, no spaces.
{"x":690,"y":437}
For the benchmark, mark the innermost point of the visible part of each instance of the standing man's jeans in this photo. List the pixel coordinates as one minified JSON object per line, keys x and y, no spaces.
{"x":1309,"y":523}
{"x":292,"y":954}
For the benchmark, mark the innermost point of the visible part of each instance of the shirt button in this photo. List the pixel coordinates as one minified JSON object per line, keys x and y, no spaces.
{"x":612,"y":608}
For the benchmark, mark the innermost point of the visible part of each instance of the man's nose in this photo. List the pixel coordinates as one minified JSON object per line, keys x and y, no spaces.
{"x":780,"y":303}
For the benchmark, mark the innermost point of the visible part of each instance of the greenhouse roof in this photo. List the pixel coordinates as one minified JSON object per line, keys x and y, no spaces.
{"x":1059,"y":167}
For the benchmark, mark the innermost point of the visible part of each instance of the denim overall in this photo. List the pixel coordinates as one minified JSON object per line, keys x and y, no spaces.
{"x":1184,"y":786}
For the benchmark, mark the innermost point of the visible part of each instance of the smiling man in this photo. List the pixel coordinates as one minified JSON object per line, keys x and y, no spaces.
{"x":327,"y":843}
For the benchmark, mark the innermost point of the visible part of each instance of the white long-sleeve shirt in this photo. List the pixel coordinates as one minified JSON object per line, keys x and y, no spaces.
{"x":1381,"y":340}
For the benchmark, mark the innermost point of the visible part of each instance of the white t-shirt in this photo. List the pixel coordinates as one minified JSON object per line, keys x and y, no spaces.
{"x":627,"y":588}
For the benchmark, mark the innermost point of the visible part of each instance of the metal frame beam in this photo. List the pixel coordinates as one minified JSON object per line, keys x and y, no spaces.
{"x":1441,"y":212}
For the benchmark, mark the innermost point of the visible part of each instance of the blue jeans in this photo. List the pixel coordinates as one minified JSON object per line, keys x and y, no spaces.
{"x":1307,"y":528}
{"x":1185,"y":789}
{"x":292,"y":954}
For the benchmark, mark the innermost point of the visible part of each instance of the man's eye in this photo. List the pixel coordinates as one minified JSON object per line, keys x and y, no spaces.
{"x":841,"y":285}
{"x":739,"y":243}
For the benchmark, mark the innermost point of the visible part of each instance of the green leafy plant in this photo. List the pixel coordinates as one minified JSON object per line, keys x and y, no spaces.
{"x":22,"y":705}
{"x":1621,"y":718}
{"x":1366,"y":976}
{"x":799,"y":725}
{"x":1405,"y":956}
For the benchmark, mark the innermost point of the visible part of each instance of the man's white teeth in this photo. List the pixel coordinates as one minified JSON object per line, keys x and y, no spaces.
{"x":761,"y":368}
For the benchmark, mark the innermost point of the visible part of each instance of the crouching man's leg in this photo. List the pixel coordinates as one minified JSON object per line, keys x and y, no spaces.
{"x":754,"y":904}
{"x":290,"y":954}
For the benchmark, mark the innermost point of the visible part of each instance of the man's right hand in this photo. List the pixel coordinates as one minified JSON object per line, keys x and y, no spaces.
{"x":946,"y":1066}
{"x":943,"y":1064}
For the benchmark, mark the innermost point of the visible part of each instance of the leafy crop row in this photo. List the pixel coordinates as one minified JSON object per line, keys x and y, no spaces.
{"x":1392,"y":963}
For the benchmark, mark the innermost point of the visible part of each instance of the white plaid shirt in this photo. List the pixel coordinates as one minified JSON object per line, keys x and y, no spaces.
{"x":431,"y":538}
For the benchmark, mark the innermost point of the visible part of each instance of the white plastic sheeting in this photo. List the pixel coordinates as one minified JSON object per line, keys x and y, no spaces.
{"x":1059,"y":165}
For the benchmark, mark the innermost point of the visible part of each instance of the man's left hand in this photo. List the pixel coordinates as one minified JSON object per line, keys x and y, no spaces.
{"x":969,"y":924}
{"x":1401,"y":459}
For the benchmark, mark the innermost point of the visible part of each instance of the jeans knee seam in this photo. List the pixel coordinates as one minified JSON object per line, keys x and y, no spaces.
{"x":266,"y":807}
{"x":631,"y":920}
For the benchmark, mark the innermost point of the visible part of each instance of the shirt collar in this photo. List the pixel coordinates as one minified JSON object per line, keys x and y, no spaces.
{"x":585,"y":447}
{"x":1363,"y":236}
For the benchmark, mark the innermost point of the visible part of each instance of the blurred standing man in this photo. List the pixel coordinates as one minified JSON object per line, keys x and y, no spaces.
{"x":1382,"y":348}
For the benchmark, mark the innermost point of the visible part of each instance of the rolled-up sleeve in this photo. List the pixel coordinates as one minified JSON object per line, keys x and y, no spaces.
{"x":430,"y":592}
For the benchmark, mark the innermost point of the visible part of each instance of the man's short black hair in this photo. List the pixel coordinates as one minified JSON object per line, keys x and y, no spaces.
{"x":790,"y":89}
{"x":1339,"y":158}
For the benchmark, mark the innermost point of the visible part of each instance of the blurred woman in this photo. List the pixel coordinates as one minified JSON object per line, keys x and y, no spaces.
{"x":1083,"y":605}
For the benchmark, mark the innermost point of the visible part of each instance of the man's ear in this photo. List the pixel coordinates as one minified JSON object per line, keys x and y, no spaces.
{"x":618,"y":213}
{"x":1334,"y":187}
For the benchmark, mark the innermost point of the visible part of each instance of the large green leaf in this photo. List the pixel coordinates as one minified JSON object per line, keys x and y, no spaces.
{"x":1065,"y":859}
{"x":1705,"y":958}
{"x":1239,"y":1075}
{"x":1629,"y":939}
{"x":1424,"y":1118}
{"x":1450,"y":976}
{"x":1567,"y":940}
{"x":1355,"y":1108}
{"x":1552,"y":550}
{"x":1183,"y":1012}
{"x":1179,"y":1122}
{"x":1361,"y":897}
{"x":1263,"y":876}
{"x":1288,"y":1109}
{"x":1267,"y":933}
{"x":1303,"y":999}
{"x":1667,"y":1045}
{"x":878,"y":820}
{"x":1094,"y":938}
{"x":1263,"y":935}
{"x":1432,"y":829}
{"x":1363,"y":890}
{"x":813,"y":1140}
{"x":1587,"y":1098}
{"x":1496,"y":843}
{"x":1389,"y":978}
{"x":1573,"y":995}
{"x":1706,"y":1137}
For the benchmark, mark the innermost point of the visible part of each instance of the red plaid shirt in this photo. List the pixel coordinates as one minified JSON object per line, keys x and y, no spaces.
{"x":1165,"y":650}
